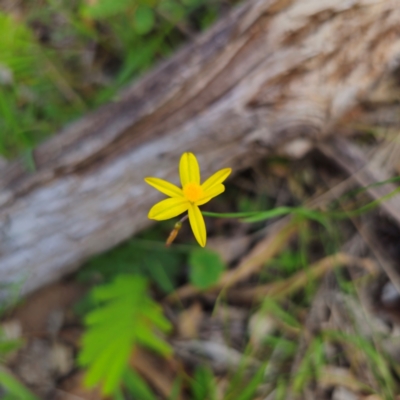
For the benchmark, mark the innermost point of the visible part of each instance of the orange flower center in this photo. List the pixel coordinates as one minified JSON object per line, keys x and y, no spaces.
{"x":193,"y":191}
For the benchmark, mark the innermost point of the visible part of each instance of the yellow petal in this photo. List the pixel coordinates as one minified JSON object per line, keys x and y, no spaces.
{"x":189,"y":170}
{"x":164,"y":187}
{"x":216,"y":179}
{"x":197,"y":223}
{"x":168,"y":208}
{"x":214,"y":191}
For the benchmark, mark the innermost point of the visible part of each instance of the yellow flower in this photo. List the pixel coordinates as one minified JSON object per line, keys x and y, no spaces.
{"x":190,"y":197}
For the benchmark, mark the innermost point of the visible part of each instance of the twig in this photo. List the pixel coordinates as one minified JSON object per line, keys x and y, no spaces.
{"x":295,"y":282}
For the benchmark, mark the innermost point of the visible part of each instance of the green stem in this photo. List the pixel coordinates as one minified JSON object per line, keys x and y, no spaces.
{"x":231,"y":215}
{"x":255,"y":216}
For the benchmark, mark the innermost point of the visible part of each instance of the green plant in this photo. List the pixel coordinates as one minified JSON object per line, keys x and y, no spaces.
{"x":377,"y":360}
{"x":205,"y":268}
{"x":147,"y":258}
{"x":34,"y":97}
{"x":272,"y":307}
{"x":12,"y":388}
{"x":44,"y":81}
{"x":135,"y":386}
{"x":203,"y":386}
{"x":310,"y":365}
{"x":125,"y":318}
{"x":243,"y":388}
{"x":288,"y":261}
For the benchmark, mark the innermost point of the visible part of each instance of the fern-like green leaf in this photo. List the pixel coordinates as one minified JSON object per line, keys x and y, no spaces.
{"x":127,"y":317}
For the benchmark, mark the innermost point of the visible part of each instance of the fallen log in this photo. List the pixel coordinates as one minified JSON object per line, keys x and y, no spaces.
{"x":271,"y":72}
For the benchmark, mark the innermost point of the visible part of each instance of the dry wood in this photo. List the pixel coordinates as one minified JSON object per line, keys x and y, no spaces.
{"x":272,"y":71}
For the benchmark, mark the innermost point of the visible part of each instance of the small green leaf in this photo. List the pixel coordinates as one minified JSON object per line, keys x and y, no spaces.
{"x":8,"y":345}
{"x":272,"y":307}
{"x":143,"y":21}
{"x":118,"y":395}
{"x":14,"y":388}
{"x":29,"y":160}
{"x":176,"y":389}
{"x":173,"y":9}
{"x":105,"y":8}
{"x":205,"y":268}
{"x":136,"y":386}
{"x":204,"y":386}
{"x":191,"y":2}
{"x":248,"y":392}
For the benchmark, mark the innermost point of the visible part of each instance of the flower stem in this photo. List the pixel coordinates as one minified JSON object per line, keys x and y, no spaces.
{"x":175,"y":231}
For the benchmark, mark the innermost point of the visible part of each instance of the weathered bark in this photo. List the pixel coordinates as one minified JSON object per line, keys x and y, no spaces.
{"x":270,"y":72}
